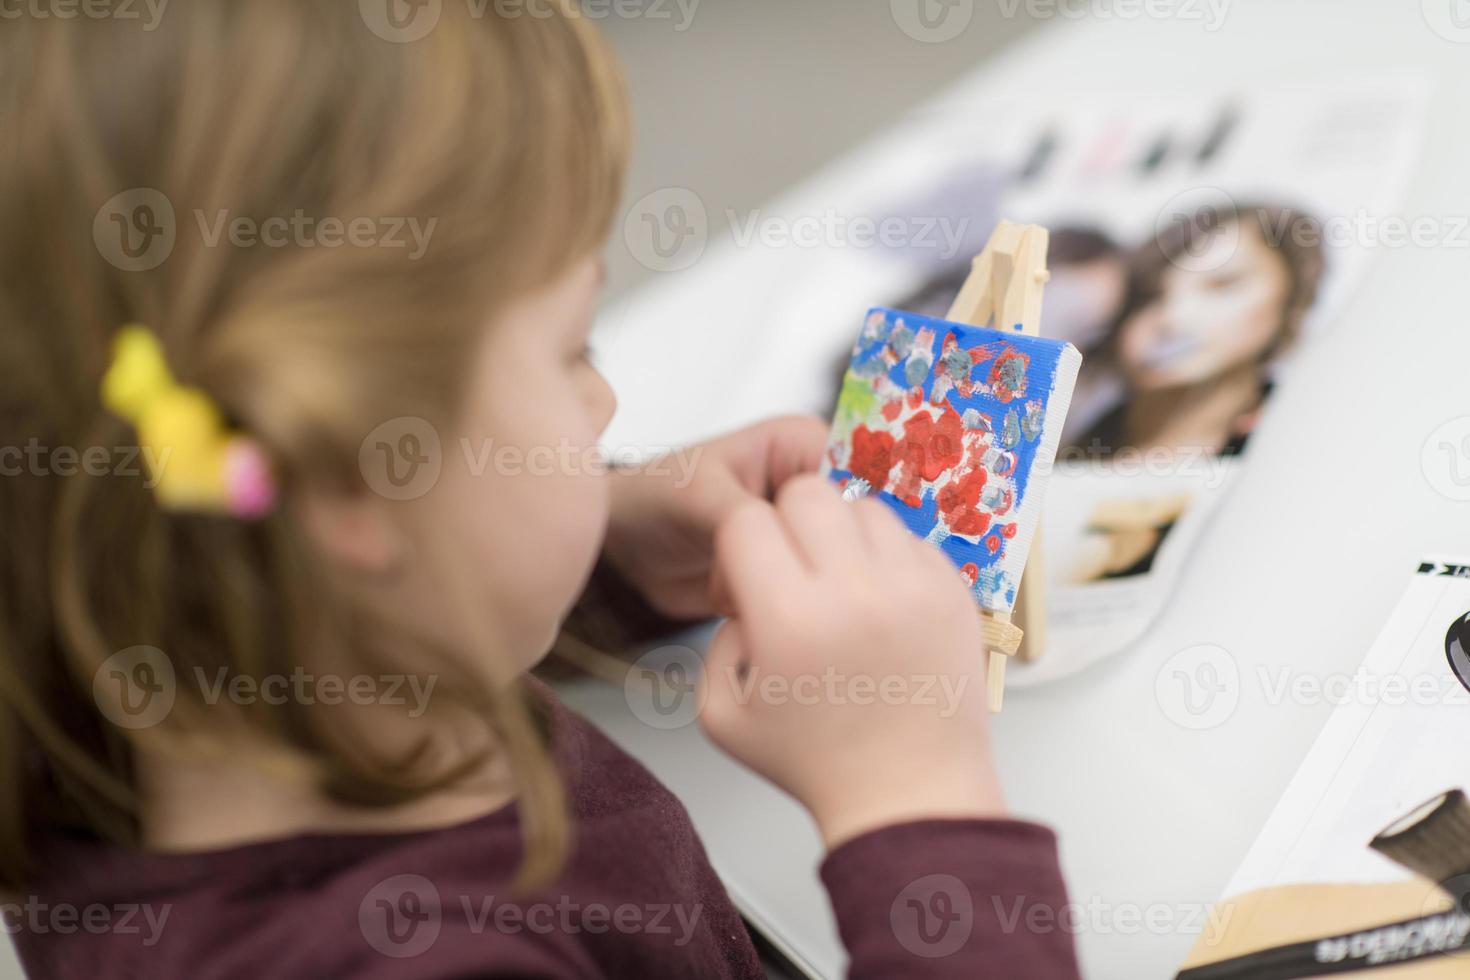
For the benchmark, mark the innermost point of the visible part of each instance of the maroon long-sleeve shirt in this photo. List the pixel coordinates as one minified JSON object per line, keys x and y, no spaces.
{"x":965,"y":899}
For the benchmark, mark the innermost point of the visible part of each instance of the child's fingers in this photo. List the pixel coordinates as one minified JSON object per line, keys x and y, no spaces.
{"x":823,"y":524}
{"x":755,"y":559}
{"x":720,"y":599}
{"x":725,"y":663}
{"x":891,"y":542}
{"x":899,"y":551}
{"x":796,"y":447}
{"x":727,"y":651}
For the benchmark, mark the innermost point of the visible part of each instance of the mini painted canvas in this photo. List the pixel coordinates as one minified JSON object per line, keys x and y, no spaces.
{"x":956,"y":428}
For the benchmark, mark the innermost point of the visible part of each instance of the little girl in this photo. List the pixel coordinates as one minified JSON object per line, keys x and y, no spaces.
{"x":294,"y":296}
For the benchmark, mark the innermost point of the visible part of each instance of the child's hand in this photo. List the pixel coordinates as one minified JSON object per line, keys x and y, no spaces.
{"x":851,"y":673}
{"x":661,"y":533}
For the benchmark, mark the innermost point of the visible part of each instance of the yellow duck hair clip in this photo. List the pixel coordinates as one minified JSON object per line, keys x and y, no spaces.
{"x":195,"y":461}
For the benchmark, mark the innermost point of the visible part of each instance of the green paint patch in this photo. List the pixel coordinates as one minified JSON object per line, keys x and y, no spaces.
{"x":857,"y":400}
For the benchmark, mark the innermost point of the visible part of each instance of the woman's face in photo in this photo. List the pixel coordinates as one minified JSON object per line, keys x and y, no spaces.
{"x":1216,"y":309}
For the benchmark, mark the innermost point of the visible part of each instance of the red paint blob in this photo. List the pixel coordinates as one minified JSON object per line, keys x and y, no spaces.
{"x":959,"y":503}
{"x":872,"y":456}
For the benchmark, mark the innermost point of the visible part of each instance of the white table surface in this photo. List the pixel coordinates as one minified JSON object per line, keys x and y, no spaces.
{"x":1300,"y":568}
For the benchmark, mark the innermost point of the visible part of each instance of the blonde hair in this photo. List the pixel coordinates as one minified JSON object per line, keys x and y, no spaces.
{"x":508,"y":130}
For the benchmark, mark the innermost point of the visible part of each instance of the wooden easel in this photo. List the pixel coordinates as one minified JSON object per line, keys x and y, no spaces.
{"x":1003,"y":291}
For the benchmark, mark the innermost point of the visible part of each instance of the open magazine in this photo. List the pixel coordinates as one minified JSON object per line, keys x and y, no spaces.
{"x":1199,"y":241}
{"x":1365,"y":862}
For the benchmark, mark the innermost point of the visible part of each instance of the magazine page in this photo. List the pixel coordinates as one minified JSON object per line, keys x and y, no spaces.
{"x":1365,"y":862}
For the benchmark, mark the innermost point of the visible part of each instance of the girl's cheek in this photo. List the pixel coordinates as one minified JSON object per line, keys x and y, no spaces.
{"x":600,"y":400}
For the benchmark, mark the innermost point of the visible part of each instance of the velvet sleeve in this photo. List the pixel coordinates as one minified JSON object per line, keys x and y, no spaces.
{"x":972,"y":899}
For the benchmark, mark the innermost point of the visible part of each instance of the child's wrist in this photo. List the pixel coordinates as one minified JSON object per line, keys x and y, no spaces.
{"x":858,"y":813}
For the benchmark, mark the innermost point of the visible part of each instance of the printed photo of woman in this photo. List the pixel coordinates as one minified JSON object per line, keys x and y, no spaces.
{"x":1213,"y":306}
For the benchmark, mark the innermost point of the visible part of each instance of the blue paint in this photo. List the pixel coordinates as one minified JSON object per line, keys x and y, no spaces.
{"x":991,"y":421}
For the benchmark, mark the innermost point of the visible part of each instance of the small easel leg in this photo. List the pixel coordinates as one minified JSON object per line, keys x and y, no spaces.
{"x":1031,"y":606}
{"x":1004,"y":288}
{"x":995,"y":675}
{"x":996,"y":681}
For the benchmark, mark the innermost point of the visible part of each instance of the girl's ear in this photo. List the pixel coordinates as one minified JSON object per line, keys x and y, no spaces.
{"x":353,"y":528}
